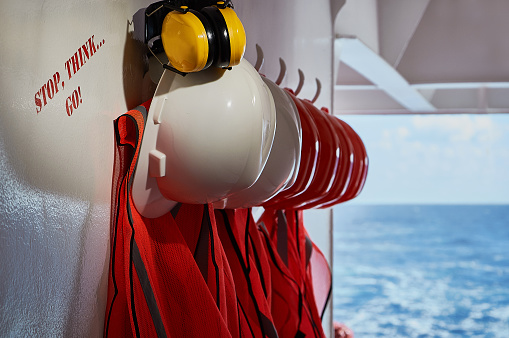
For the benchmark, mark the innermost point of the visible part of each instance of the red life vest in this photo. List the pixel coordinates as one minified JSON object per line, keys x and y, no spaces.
{"x":251,"y":271}
{"x":168,"y":276}
{"x":291,"y":250}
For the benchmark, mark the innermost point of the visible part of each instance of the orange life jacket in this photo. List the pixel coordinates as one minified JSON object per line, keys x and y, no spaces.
{"x":168,"y":276}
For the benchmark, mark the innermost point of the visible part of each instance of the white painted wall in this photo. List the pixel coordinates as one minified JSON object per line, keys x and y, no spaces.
{"x":359,"y":18}
{"x":56,"y":169}
{"x":298,"y":32}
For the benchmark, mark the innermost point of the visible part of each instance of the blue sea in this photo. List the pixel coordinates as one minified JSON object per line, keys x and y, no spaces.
{"x":422,"y":271}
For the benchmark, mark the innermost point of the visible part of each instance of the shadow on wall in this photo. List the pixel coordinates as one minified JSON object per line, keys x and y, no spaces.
{"x":138,"y":87}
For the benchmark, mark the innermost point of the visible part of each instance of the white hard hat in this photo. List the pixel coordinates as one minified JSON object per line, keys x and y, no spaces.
{"x":214,"y":131}
{"x":284,"y":159}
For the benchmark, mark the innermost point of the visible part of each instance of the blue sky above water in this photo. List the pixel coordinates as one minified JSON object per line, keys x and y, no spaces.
{"x":435,"y":159}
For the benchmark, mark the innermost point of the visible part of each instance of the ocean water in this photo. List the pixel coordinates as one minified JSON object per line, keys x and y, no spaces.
{"x":422,"y":271}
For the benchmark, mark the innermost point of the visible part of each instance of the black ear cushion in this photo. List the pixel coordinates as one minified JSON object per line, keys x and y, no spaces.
{"x":211,"y":35}
{"x":216,"y":19}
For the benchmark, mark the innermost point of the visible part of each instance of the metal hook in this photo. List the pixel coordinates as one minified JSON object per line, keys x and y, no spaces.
{"x":318,"y":90}
{"x":301,"y":82}
{"x":282,"y":71}
{"x":259,"y":58}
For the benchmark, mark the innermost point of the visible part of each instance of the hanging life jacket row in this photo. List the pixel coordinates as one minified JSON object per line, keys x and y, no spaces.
{"x":197,"y":271}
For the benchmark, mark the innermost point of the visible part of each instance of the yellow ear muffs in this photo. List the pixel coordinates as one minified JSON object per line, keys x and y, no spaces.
{"x":188,"y":40}
{"x":194,"y":40}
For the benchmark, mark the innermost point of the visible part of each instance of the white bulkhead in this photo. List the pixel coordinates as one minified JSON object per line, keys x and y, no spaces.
{"x":69,"y":68}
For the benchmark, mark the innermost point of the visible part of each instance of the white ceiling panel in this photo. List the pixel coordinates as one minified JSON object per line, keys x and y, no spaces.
{"x":350,"y":77}
{"x":498,"y":98}
{"x":459,"y":41}
{"x":351,"y":101}
{"x":456,"y":98}
{"x":397,"y":23}
{"x":451,"y":55}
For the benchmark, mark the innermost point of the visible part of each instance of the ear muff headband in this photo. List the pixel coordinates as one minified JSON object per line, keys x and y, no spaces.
{"x":188,"y":40}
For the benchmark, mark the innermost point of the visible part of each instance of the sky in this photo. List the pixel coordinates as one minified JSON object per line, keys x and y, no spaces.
{"x":434,"y":159}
